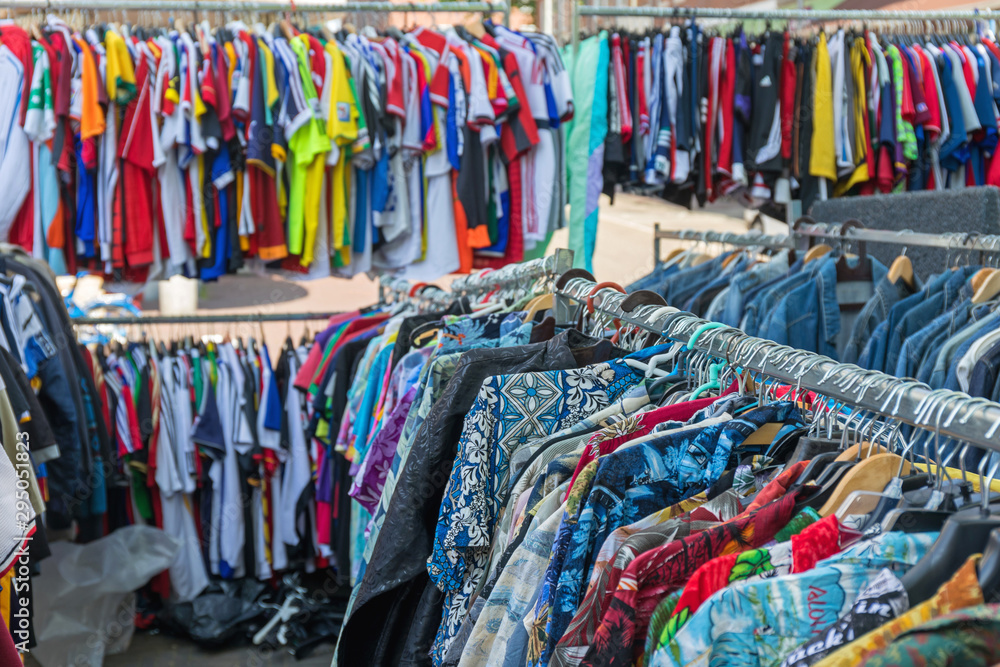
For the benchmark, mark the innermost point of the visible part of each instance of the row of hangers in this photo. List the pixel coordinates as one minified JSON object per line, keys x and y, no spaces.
{"x":861,"y":460}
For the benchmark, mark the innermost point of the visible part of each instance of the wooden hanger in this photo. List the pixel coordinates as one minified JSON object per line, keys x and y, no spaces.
{"x":765,"y":435}
{"x":902,"y":269}
{"x":871,"y":474}
{"x":729,"y":260}
{"x":673,"y":253}
{"x":988,"y":289}
{"x":979,"y":277}
{"x":862,"y":450}
{"x":816,"y":252}
{"x":538,"y":304}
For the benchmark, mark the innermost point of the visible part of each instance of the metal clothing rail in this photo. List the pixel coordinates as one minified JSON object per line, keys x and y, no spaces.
{"x":204,"y":319}
{"x":254,"y":6}
{"x":773,"y":14}
{"x":709,"y":236}
{"x":945,"y":413}
{"x":551,"y":266}
{"x":833,"y":232}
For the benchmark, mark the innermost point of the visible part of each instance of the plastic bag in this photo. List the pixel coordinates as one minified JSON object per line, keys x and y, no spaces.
{"x":224,"y":611}
{"x":84,"y":599}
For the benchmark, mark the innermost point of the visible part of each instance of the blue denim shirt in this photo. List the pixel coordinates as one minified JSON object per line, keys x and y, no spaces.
{"x":985,"y":373}
{"x":925,"y":339}
{"x":887,"y":294}
{"x":981,"y":328}
{"x":876,"y":351}
{"x":655,"y":279}
{"x":701,"y":299}
{"x":742,"y":284}
{"x":808,"y":317}
{"x":980,"y":320}
{"x":763,"y":305}
{"x":752,"y":312}
{"x":918,"y":317}
{"x":686,"y":283}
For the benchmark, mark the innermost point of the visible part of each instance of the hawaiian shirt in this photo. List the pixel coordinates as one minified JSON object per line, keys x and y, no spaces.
{"x":615,"y":435}
{"x":510,"y":411}
{"x":621,"y":636}
{"x":640,"y":479}
{"x":967,"y":638}
{"x":760,"y":622}
{"x":512,"y":593}
{"x":557,"y":473}
{"x":621,"y":548}
{"x":488,"y":638}
{"x":467,"y":333}
{"x":799,"y":545}
{"x":881,"y":602}
{"x":433,"y":379}
{"x":959,"y":592}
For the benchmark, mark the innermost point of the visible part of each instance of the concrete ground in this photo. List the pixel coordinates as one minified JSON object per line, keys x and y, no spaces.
{"x":624,"y":253}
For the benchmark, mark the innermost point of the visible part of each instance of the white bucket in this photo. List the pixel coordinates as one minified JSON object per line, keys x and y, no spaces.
{"x":178,"y":296}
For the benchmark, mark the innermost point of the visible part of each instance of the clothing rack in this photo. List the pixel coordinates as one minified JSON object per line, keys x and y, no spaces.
{"x":204,"y":319}
{"x":945,"y":413}
{"x":487,"y":7}
{"x":772,"y":14}
{"x":486,"y":280}
{"x":807,"y":229}
{"x":255,"y":6}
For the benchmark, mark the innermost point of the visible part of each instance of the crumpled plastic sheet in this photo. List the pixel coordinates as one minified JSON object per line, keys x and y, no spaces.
{"x":84,"y":600}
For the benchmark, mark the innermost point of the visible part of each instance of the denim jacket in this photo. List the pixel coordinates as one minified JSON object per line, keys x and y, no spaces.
{"x":741,"y":285}
{"x":808,"y":317}
{"x":887,"y":294}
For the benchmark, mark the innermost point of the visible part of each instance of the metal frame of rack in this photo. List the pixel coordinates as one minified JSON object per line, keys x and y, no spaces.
{"x":772,"y":14}
{"x":395,"y":290}
{"x":481,"y":282}
{"x":970,"y":242}
{"x":944,"y":413}
{"x":251,"y":318}
{"x":258,"y":6}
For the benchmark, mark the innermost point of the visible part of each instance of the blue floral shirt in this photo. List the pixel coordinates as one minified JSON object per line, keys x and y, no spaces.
{"x":510,"y":411}
{"x":636,"y":481}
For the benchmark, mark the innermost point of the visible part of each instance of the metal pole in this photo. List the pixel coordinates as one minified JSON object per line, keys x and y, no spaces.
{"x":204,"y":319}
{"x":256,"y":6}
{"x":975,"y":421}
{"x":575,"y":27}
{"x":788,"y":14}
{"x":951,"y":241}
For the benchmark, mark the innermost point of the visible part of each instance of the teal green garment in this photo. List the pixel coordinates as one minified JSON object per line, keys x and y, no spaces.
{"x":585,"y":146}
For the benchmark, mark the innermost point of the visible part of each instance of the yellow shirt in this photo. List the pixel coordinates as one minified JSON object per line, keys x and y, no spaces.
{"x":859,"y":58}
{"x":822,"y":158}
{"x":959,"y":592}
{"x":342,"y":125}
{"x":120,"y":75}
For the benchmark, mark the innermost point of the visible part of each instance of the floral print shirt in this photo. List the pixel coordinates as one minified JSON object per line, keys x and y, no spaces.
{"x":621,"y":636}
{"x":799,"y":545}
{"x":760,"y":622}
{"x":635,"y":481}
{"x":622,"y":547}
{"x":967,"y":638}
{"x":959,"y":592}
{"x":510,"y":411}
